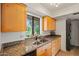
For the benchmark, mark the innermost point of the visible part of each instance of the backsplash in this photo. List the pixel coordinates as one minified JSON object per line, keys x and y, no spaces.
{"x":48,"y":32}
{"x":5,"y":45}
{"x":12,"y":36}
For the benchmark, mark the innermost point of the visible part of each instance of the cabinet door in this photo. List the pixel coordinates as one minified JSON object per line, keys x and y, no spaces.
{"x":55,"y":46}
{"x":45,"y":50}
{"x":59,"y":43}
{"x":41,"y":51}
{"x":48,"y":23}
{"x":44,"y":24}
{"x":13,"y":17}
{"x":48,"y":49}
{"x":53,"y":23}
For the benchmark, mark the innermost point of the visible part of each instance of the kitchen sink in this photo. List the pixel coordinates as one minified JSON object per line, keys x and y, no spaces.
{"x":41,"y":41}
{"x":36,"y":43}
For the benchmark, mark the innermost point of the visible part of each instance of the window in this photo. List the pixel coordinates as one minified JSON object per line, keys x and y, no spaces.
{"x":33,"y":25}
{"x":36,"y":25}
{"x":29,"y":26}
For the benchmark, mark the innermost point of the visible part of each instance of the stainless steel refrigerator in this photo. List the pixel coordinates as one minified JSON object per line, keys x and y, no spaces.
{"x":72,"y":33}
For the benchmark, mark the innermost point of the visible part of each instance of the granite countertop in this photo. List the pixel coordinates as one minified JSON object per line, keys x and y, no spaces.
{"x":15,"y":50}
{"x":29,"y":42}
{"x":25,"y":46}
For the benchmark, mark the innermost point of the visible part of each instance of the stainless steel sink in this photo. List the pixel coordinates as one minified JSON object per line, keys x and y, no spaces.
{"x":36,"y":43}
{"x":41,"y":41}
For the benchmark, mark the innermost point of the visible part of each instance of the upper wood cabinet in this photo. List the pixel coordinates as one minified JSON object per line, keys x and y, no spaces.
{"x":48,"y":23}
{"x":13,"y":17}
{"x":0,"y":17}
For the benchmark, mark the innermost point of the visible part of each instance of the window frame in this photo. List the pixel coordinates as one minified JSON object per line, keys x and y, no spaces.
{"x":33,"y":23}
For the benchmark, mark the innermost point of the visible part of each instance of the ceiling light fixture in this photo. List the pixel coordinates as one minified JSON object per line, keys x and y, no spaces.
{"x":55,"y":4}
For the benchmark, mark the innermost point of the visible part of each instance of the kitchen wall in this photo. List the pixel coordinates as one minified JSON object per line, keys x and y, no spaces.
{"x":12,"y":36}
{"x":61,"y":27}
{"x":61,"y":30}
{"x":0,"y":26}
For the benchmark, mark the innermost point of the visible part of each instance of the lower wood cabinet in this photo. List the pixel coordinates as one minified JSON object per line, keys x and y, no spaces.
{"x":55,"y":46}
{"x":45,"y":50}
{"x":49,"y":49}
{"x":41,"y":51}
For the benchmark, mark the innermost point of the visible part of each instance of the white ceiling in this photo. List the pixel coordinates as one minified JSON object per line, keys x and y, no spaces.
{"x":53,"y":8}
{"x":47,"y":9}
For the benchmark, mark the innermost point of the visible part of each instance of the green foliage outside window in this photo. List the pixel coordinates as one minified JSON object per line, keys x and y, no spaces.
{"x":30,"y":27}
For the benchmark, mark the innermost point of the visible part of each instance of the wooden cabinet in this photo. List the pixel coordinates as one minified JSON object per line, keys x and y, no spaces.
{"x":41,"y":51}
{"x":0,"y":17}
{"x":14,"y":17}
{"x":45,"y":50}
{"x":48,"y":23}
{"x":56,"y":46}
{"x":49,"y":49}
